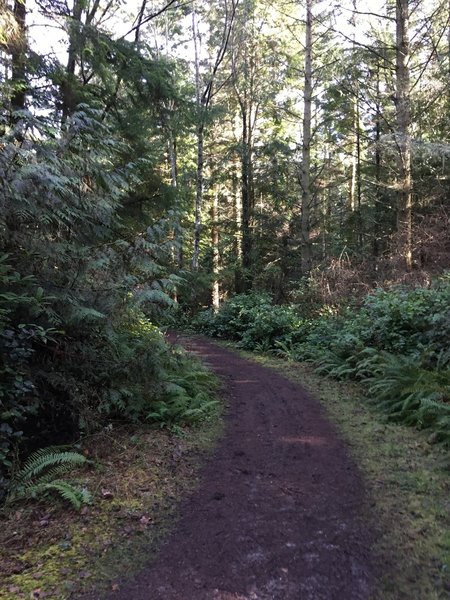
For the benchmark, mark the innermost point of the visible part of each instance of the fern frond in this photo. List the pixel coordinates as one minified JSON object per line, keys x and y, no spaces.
{"x":42,"y":473}
{"x":47,"y":458}
{"x":69,"y":492}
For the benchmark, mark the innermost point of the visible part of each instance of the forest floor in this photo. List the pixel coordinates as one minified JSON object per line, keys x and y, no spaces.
{"x":288,"y":507}
{"x":279,"y":513}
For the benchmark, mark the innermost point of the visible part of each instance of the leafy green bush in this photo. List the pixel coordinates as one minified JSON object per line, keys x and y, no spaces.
{"x":396,"y":342}
{"x":235,"y":316}
{"x":188,"y":392}
{"x":408,"y":393}
{"x":408,"y":321}
{"x":167,"y":385}
{"x":76,"y":270}
{"x":253,"y":320}
{"x":411,"y":322}
{"x":18,"y":394}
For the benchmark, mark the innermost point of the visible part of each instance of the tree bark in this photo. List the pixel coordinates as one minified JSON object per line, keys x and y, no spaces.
{"x":237,"y":209}
{"x":200,"y":128}
{"x":140,"y":17}
{"x":404,"y":202}
{"x":215,"y":236}
{"x":68,"y":85}
{"x":305,"y":175}
{"x":203,"y":102}
{"x":378,"y":232}
{"x":198,"y":196}
{"x":18,"y":58}
{"x":246,"y":197}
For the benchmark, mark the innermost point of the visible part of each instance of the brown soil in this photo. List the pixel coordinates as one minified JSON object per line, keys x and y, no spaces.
{"x":278,"y":515}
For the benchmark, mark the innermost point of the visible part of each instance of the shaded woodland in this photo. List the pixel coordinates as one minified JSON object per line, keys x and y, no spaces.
{"x":273,"y":172}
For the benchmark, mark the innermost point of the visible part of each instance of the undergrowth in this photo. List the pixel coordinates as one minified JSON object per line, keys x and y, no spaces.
{"x":138,"y":476}
{"x":396,"y":343}
{"x":45,"y":473}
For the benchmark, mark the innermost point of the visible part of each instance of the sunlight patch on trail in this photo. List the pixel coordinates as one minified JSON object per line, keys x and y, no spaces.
{"x":304,"y":439}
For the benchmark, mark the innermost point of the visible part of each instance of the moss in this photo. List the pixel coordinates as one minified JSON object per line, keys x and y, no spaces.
{"x":138,"y":480}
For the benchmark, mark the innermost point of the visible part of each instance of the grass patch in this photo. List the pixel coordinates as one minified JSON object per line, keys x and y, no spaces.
{"x":407,"y":483}
{"x":137,"y":481}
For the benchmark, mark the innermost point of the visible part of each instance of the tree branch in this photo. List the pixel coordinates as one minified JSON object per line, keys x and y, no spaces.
{"x":150,"y":18}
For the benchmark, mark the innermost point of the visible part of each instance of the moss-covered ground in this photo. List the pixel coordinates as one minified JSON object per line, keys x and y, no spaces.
{"x":137,"y":478}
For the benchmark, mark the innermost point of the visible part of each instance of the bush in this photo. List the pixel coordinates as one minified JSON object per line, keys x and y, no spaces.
{"x":253,"y":321}
{"x":396,"y":342}
{"x":408,"y":393}
{"x":45,"y":473}
{"x":56,"y":388}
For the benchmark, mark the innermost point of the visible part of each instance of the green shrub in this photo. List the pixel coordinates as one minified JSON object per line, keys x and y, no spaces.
{"x":396,"y":342}
{"x":18,"y":394}
{"x":253,"y":321}
{"x":408,"y":321}
{"x":167,"y":386}
{"x":410,"y":394}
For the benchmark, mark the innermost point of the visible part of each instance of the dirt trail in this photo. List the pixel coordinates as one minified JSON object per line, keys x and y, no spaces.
{"x":277,"y":516}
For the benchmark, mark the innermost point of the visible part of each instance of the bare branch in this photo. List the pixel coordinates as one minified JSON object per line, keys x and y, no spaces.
{"x":228,"y":28}
{"x":368,"y":14}
{"x":150,"y":17}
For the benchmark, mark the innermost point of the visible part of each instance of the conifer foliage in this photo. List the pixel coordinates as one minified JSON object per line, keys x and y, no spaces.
{"x":88,"y":235}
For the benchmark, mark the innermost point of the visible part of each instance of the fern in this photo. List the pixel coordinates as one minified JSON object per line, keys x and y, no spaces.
{"x":41,"y":474}
{"x":410,"y":394}
{"x":76,"y":496}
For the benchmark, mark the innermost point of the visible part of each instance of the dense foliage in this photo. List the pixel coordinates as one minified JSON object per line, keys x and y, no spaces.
{"x":396,"y":342}
{"x":162,"y":166}
{"x":81,"y":275}
{"x":43,"y":473}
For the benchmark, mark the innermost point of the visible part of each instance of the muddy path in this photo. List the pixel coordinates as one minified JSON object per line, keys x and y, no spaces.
{"x":278,"y":512}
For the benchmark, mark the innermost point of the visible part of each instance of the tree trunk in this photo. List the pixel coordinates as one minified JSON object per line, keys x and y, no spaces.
{"x":326,"y":205}
{"x":137,"y":33}
{"x":18,"y":58}
{"x":246,"y":198}
{"x":358,"y":172}
{"x":378,"y":233}
{"x":354,"y":171}
{"x":237,"y":207}
{"x":215,"y":249}
{"x":203,"y":101}
{"x":173,"y":164}
{"x":305,"y":176}
{"x":68,"y":85}
{"x":404,"y":205}
{"x":200,"y":141}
